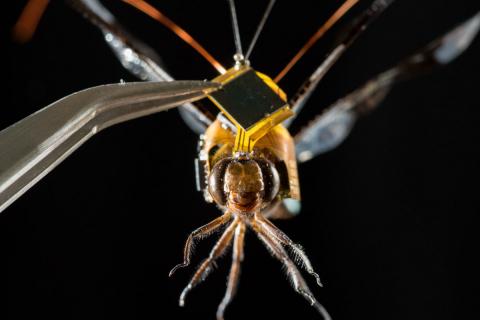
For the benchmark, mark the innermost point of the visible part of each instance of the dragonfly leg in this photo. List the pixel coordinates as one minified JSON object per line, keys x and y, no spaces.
{"x":282,"y":238}
{"x":206,"y":266}
{"x":237,"y":258}
{"x":199,"y":233}
{"x":299,"y":284}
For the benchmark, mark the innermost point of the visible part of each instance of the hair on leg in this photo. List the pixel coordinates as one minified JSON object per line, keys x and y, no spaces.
{"x":202,"y":272}
{"x":299,"y":284}
{"x":199,"y":233}
{"x":237,"y":258}
{"x":281,"y":237}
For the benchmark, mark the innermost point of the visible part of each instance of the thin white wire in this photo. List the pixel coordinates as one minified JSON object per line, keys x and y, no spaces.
{"x":236,"y":30}
{"x":260,"y":28}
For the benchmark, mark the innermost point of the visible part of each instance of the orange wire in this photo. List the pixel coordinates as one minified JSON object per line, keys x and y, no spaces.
{"x":347,"y":5}
{"x":160,"y":17}
{"x":28,"y":21}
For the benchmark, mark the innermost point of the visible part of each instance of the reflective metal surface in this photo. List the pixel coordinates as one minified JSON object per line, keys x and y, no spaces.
{"x":33,"y":146}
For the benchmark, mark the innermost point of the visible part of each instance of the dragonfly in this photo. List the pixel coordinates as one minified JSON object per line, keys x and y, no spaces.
{"x":239,"y":166}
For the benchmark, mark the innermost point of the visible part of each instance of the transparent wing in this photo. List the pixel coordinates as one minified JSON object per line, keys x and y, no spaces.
{"x":356,"y":28}
{"x":136,"y":56}
{"x":33,"y":146}
{"x":330,"y":128}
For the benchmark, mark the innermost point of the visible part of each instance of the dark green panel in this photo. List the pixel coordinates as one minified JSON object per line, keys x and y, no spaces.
{"x":248,"y":99}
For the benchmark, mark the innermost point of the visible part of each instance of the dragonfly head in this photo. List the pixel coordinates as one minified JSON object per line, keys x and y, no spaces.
{"x":243,"y":185}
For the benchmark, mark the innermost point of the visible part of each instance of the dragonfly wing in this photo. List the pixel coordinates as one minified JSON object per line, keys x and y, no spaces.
{"x":136,"y":56}
{"x":353,"y":31}
{"x":331,"y":128}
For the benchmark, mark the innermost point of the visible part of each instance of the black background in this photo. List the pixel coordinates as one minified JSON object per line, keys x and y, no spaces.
{"x":388,"y":219}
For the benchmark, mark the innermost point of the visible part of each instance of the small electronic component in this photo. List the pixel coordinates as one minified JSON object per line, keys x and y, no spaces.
{"x":252,"y":102}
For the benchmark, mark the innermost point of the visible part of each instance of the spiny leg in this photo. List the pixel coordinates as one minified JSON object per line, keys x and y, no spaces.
{"x":299,"y":284}
{"x":205,"y":267}
{"x":277,"y":251}
{"x":200,"y":233}
{"x":234,"y":275}
{"x":281,"y":237}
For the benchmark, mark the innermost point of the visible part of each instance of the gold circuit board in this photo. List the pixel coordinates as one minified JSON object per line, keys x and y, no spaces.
{"x":252,"y":102}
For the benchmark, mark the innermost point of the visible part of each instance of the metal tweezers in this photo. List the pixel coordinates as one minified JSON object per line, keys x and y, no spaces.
{"x":32,"y":147}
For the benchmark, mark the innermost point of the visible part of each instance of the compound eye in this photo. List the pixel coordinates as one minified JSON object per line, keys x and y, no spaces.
{"x":271,"y":179}
{"x":216,"y":181}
